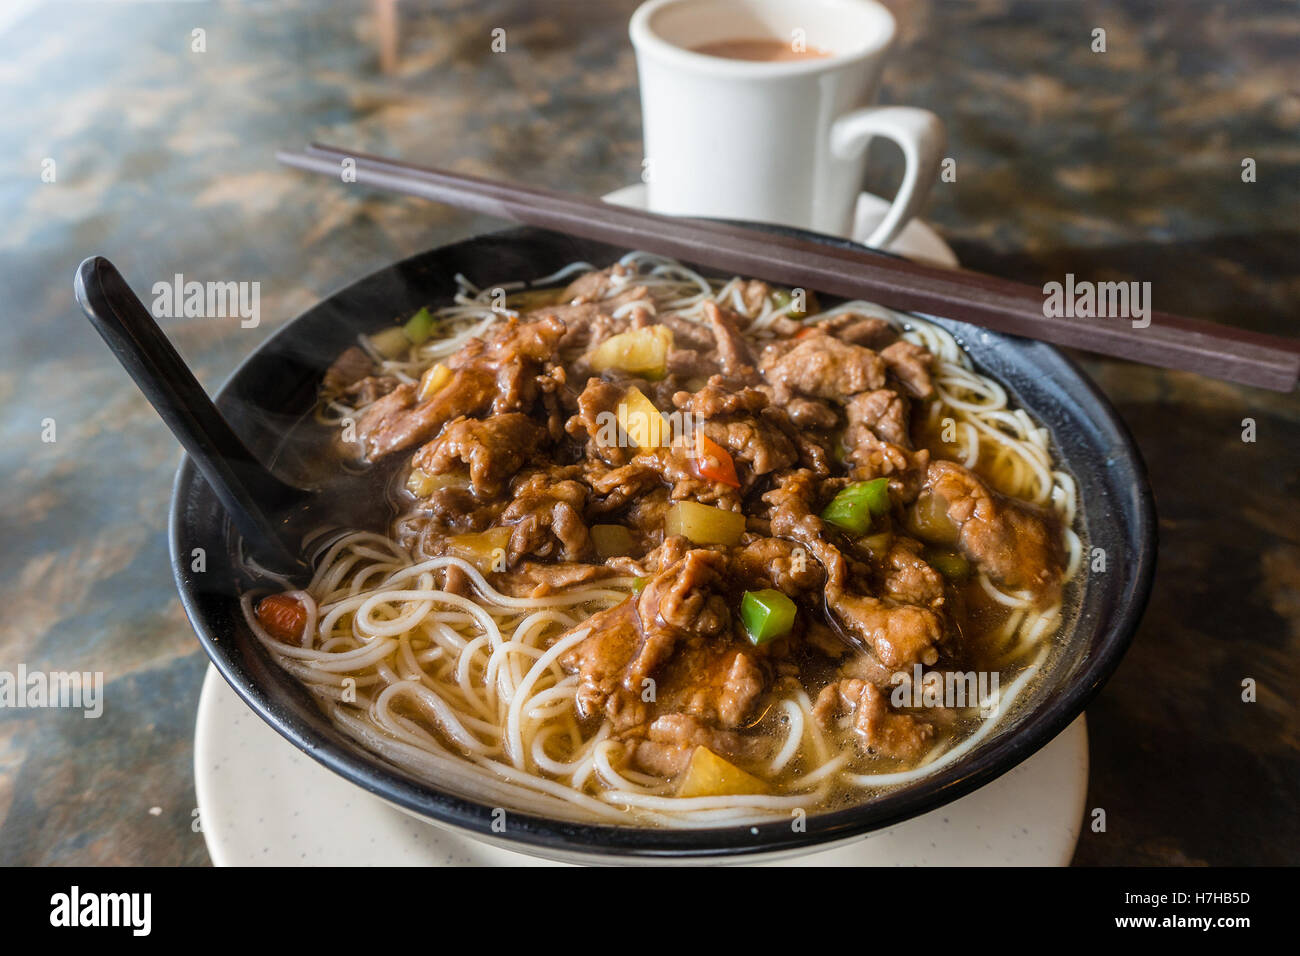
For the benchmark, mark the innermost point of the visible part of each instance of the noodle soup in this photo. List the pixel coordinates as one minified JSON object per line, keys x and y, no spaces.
{"x":675,"y":550}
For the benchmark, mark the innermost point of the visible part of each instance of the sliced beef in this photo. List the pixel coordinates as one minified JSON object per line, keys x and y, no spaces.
{"x":678,"y":466}
{"x":777,"y":563}
{"x":811,"y":413}
{"x":668,"y":743}
{"x":763,"y":436}
{"x":719,"y":397}
{"x":350,"y":367}
{"x":494,"y":449}
{"x":879,"y":730}
{"x":757,"y":446}
{"x":899,"y":634}
{"x":596,"y":422}
{"x":882,"y":413}
{"x":535,"y":579}
{"x":1017,"y":545}
{"x":613,"y":488}
{"x":872,"y":457}
{"x":395,"y":422}
{"x":629,"y":643}
{"x":910,"y":364}
{"x":494,"y":375}
{"x":816,"y":450}
{"x":792,"y":506}
{"x":735,"y":356}
{"x":648,"y":514}
{"x":602,"y":660}
{"x":754,"y":292}
{"x":369,"y":390}
{"x":908,"y":578}
{"x":456,"y":510}
{"x":545,"y":517}
{"x":689,"y":334}
{"x":857,"y":329}
{"x":690,"y":364}
{"x":715,"y":681}
{"x":684,"y":598}
{"x":821,"y":366}
{"x":588,"y":322}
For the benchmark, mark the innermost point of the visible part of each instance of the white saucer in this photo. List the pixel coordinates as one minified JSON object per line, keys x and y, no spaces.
{"x":261,"y":802}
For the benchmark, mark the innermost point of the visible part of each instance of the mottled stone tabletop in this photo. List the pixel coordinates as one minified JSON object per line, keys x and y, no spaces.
{"x":1125,"y":164}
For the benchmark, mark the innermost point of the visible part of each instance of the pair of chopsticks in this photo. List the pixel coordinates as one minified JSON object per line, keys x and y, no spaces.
{"x":1169,"y":341}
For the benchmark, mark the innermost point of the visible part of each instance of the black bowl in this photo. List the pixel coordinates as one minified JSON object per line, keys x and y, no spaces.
{"x":276,"y":386}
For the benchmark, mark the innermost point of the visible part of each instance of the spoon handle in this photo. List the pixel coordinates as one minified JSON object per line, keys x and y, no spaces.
{"x":241,"y":483}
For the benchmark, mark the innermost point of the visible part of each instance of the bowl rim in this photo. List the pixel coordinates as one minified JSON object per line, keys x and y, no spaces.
{"x":549,"y":837}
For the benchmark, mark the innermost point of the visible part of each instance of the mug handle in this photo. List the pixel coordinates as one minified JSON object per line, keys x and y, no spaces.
{"x":920,"y":135}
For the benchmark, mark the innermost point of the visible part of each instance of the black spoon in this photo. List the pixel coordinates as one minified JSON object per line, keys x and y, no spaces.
{"x":246,"y":489}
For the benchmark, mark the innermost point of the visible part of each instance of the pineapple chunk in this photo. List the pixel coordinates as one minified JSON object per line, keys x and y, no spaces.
{"x":611,"y":540}
{"x":486,"y":550}
{"x":704,"y":524}
{"x":708,"y":775}
{"x":642,"y":352}
{"x":433,"y":379}
{"x":422,"y":484}
{"x":641,"y":421}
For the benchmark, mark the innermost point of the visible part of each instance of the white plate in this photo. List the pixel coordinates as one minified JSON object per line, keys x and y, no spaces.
{"x":261,"y":802}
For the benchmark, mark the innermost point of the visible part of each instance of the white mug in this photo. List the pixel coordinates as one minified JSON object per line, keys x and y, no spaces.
{"x":774,"y":141}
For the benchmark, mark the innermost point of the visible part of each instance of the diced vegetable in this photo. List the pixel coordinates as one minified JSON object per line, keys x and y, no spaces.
{"x":704,"y":524}
{"x":638,"y":585}
{"x":431,"y":382}
{"x":783,"y":297}
{"x":282,"y":617}
{"x":856,"y":506}
{"x":713,"y":462}
{"x":766,"y":614}
{"x":950,"y":564}
{"x":642,"y":352}
{"x":391,"y":343}
{"x":419,"y":327}
{"x":928,"y":519}
{"x":486,"y":550}
{"x":708,"y":775}
{"x":643,"y":424}
{"x":877,"y":544}
{"x":422,"y":484}
{"x":611,"y":540}
{"x":419,"y":483}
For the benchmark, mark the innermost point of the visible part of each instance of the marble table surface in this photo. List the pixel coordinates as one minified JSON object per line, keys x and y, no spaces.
{"x":1125,"y":164}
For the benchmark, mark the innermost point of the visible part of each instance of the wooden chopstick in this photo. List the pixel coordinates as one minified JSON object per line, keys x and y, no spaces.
{"x":1169,"y":341}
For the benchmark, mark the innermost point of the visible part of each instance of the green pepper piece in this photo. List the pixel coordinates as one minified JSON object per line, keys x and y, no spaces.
{"x":419,"y":327}
{"x":854,"y":508}
{"x":638,"y":585}
{"x":766,"y":614}
{"x":783,"y":297}
{"x":950,"y":564}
